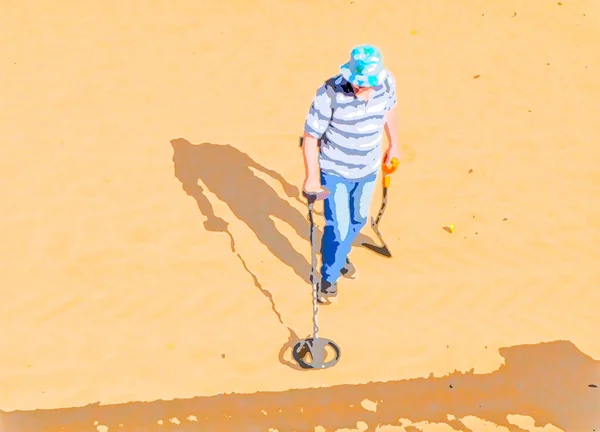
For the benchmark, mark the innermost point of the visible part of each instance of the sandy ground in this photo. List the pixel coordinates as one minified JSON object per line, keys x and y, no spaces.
{"x":154,"y":246}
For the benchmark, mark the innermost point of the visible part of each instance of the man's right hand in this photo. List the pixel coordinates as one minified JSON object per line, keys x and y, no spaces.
{"x":313,"y":187}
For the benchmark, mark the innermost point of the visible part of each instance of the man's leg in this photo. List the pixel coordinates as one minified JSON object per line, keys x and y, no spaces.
{"x":337,"y":229}
{"x":361,"y":196}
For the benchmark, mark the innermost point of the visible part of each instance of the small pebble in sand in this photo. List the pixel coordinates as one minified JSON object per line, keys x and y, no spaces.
{"x":369,"y":405}
{"x":362,"y":426}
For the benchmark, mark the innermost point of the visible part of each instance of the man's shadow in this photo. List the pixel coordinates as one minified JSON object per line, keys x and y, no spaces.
{"x":227,"y":173}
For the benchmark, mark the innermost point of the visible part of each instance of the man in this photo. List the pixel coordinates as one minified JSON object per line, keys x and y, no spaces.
{"x":343,"y":153}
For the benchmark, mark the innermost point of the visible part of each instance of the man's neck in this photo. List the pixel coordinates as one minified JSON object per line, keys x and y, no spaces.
{"x":364,"y":94}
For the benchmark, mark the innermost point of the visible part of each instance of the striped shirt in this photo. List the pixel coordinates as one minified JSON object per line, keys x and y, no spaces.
{"x":350,"y":128}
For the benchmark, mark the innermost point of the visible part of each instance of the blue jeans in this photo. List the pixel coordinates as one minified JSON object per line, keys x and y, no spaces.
{"x":346,"y":210}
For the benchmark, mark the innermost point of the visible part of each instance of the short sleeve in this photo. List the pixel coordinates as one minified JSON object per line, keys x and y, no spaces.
{"x":391,"y":103}
{"x":319,"y":114}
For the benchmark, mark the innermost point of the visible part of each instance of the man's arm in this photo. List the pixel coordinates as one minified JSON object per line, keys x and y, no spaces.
{"x":391,"y":130}
{"x":315,"y":126}
{"x":310,"y":152}
{"x":390,"y":125}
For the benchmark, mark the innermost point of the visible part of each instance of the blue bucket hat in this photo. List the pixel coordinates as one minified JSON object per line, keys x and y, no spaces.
{"x":365,"y":68}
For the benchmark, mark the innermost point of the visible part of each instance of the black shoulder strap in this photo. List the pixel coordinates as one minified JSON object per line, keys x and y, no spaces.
{"x":330,"y":87}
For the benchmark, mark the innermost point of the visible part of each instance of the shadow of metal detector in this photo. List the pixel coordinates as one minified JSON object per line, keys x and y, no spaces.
{"x":385,"y":180}
{"x":315,"y":348}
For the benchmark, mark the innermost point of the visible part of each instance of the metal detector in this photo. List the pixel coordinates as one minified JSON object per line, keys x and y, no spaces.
{"x":315,"y":346}
{"x":385,"y":181}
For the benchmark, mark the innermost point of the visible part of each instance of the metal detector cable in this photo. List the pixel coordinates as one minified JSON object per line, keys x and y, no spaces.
{"x":314,"y":266}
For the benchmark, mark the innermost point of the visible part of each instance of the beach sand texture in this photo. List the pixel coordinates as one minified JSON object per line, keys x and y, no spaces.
{"x":155,"y":250}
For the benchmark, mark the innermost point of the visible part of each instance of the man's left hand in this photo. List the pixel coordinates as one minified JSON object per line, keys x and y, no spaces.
{"x":391,"y":153}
